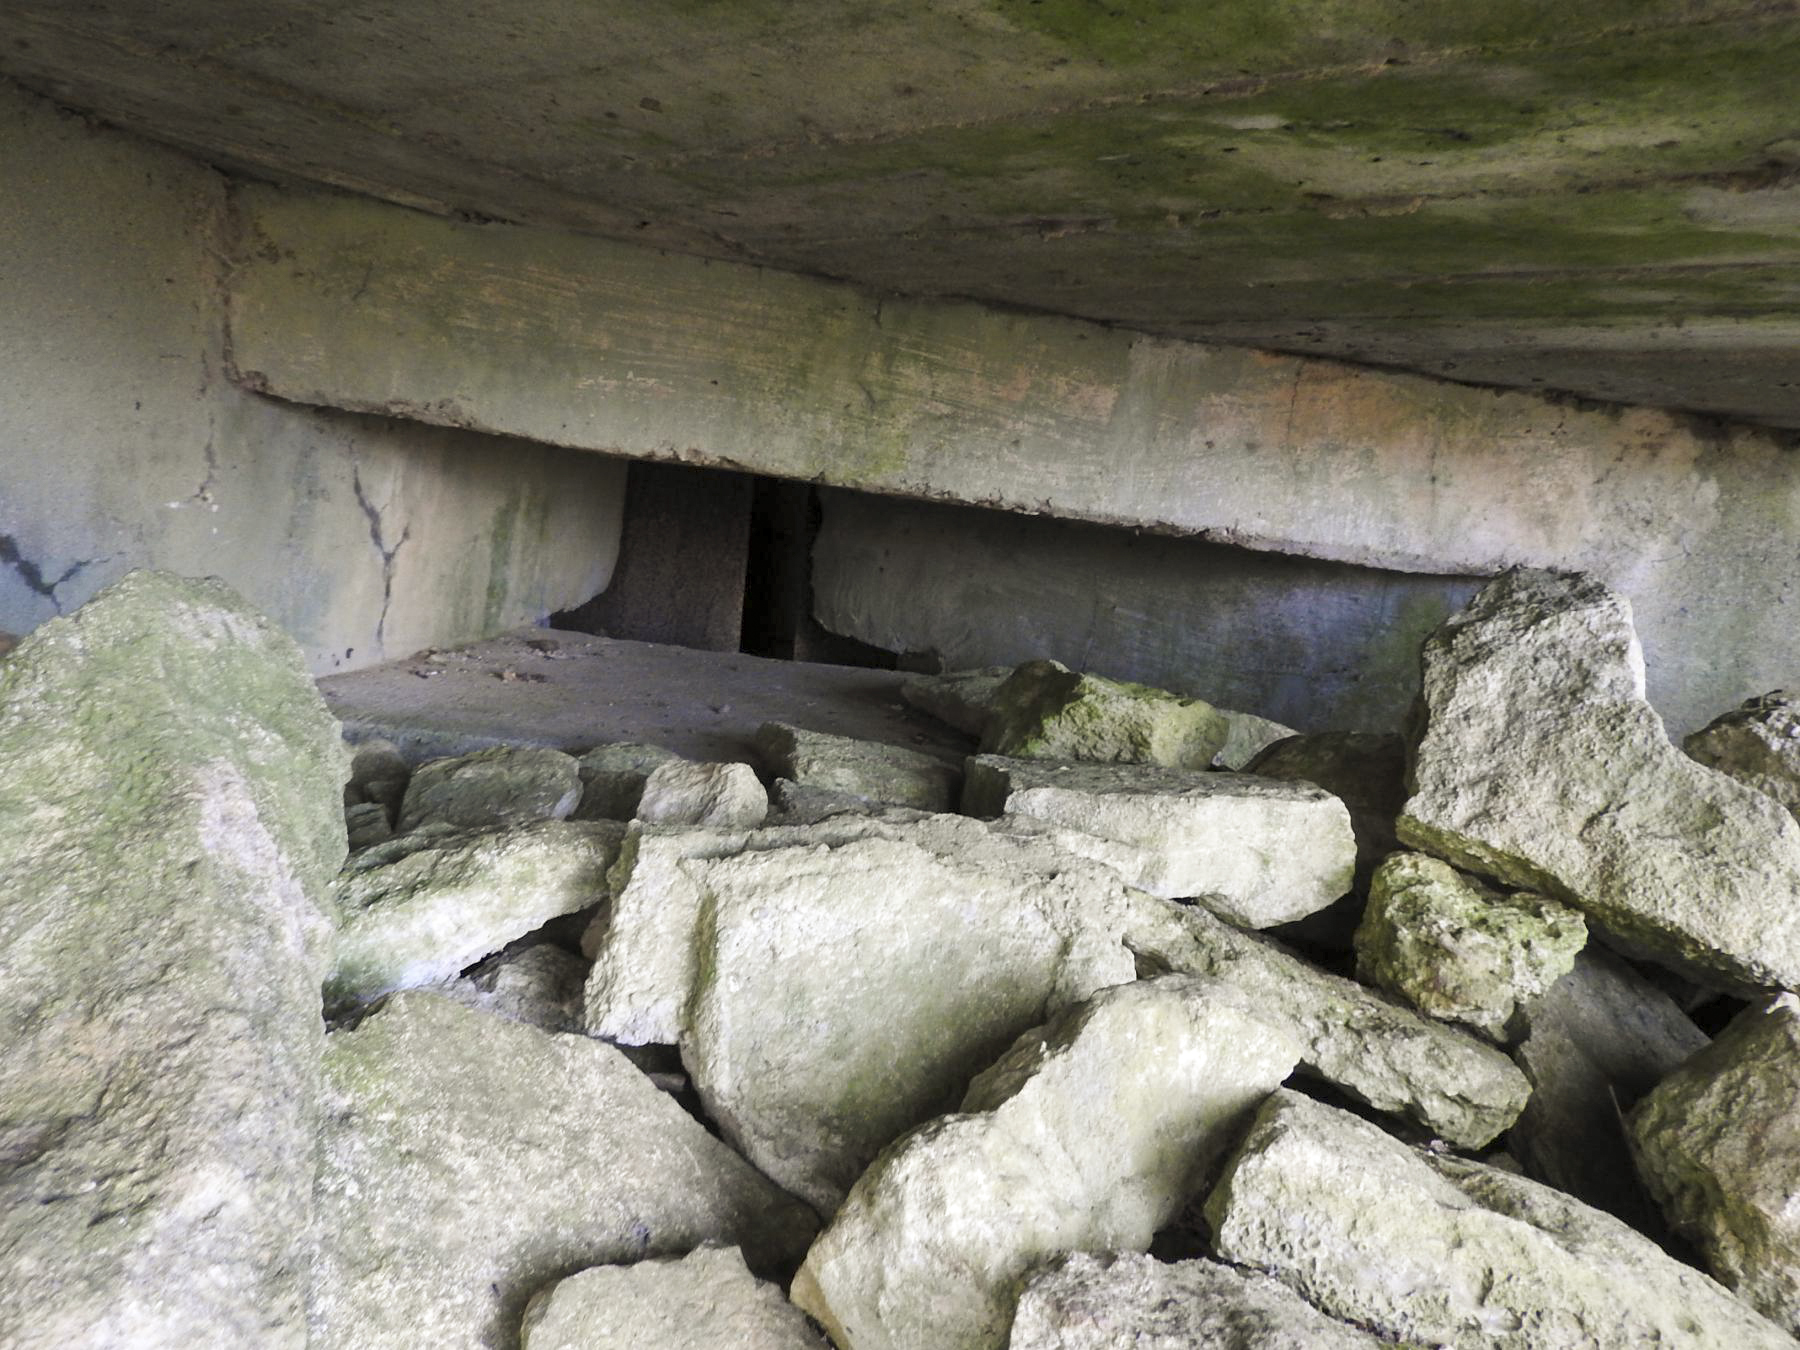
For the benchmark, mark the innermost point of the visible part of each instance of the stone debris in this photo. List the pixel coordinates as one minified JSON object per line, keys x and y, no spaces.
{"x":171,"y":814}
{"x":1718,"y":1143}
{"x":1044,"y":710}
{"x":379,"y":773}
{"x":1257,"y":851}
{"x":1123,"y":1301}
{"x":1436,"y":1249}
{"x":425,"y":916}
{"x":963,"y":699}
{"x":1597,"y":1043}
{"x":1758,"y":744}
{"x":872,"y":770}
{"x":613,"y":778}
{"x":539,"y":985}
{"x":1246,"y":737}
{"x":706,"y":1300}
{"x":491,"y":789}
{"x":467,"y":1161}
{"x":1540,"y":764}
{"x":1459,"y":1088}
{"x":1090,"y":1133}
{"x":680,"y":792}
{"x":1459,"y":951}
{"x":792,"y":803}
{"x":367,"y":825}
{"x":1366,"y":772}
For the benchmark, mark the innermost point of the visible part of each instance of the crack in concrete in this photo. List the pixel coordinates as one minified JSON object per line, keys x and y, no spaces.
{"x":33,"y":576}
{"x":377,"y":535}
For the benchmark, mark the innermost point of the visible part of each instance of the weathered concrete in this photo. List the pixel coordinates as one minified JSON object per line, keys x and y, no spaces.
{"x":580,"y":342}
{"x":363,"y":537}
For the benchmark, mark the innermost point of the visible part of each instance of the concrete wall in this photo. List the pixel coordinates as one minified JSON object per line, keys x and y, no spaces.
{"x":1319,"y":646}
{"x":123,"y":445}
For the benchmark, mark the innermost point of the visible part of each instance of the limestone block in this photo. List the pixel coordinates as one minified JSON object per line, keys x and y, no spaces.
{"x":1541,"y":764}
{"x":1044,"y":710}
{"x":1246,"y":737}
{"x":1090,"y":1133}
{"x":1366,"y":772}
{"x":539,"y":985}
{"x":680,"y":792}
{"x":1718,"y":1143}
{"x":1457,"y":950}
{"x":869,"y":769}
{"x":171,"y":789}
{"x":488,"y":789}
{"x":442,"y":908}
{"x":1123,"y":1301}
{"x":1437,"y":1249}
{"x":467,"y":1161}
{"x":377,"y":761}
{"x":1459,"y":1088}
{"x":706,"y":1300}
{"x":613,"y":778}
{"x":1258,"y":851}
{"x":963,"y":699}
{"x":367,"y":825}
{"x":1758,"y":744}
{"x":1596,"y":1044}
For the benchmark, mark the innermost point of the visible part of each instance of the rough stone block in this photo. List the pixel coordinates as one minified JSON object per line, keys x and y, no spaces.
{"x":1044,"y":710}
{"x":539,"y":985}
{"x":613,"y":778}
{"x":963,"y":699}
{"x":490,"y":789}
{"x":680,"y":792}
{"x":869,"y":769}
{"x":1366,"y":772}
{"x":1758,"y":744}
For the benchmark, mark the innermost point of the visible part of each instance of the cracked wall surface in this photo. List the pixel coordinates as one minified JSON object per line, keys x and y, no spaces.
{"x":121,"y":445}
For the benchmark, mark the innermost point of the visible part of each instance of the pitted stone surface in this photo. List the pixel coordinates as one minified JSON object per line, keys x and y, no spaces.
{"x":1758,"y":744}
{"x":680,"y":792}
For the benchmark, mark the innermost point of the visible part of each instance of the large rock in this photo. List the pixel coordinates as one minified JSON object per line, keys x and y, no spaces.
{"x":1718,"y":1143}
{"x":872,"y":770}
{"x":1044,"y":710}
{"x":613,"y":778}
{"x":539,"y":985}
{"x":680,"y":792}
{"x":1541,"y":764}
{"x":1366,"y":772}
{"x":1436,"y":1249}
{"x":1090,"y":1133}
{"x":461,"y":897}
{"x":1123,"y":1301}
{"x":489,"y":789}
{"x":467,"y":1161}
{"x":171,"y":812}
{"x":1596,"y":1044}
{"x":1459,"y":951}
{"x":1758,"y":744}
{"x":1258,"y":851}
{"x":707,"y":1300}
{"x":1460,"y":1089}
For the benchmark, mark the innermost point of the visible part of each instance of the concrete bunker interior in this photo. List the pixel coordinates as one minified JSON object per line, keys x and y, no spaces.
{"x":598,"y":374}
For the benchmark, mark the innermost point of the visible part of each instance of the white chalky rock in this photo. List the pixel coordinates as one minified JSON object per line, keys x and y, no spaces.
{"x":1258,"y":851}
{"x":1090,"y":1133}
{"x":680,"y":792}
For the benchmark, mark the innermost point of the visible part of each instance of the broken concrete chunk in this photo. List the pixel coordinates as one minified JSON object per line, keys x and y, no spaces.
{"x":491,"y":789}
{"x":707,"y":1300}
{"x":1366,"y":772}
{"x":467,"y":1161}
{"x":1459,"y":1088}
{"x":1457,"y":950}
{"x":171,"y":812}
{"x":963,"y":699}
{"x":1598,"y":1041}
{"x":613,"y":778}
{"x":1123,"y":1301}
{"x":1089,"y":1133}
{"x":367,"y":824}
{"x":1044,"y":710}
{"x":443,"y":907}
{"x":679,"y":792}
{"x":872,"y":770}
{"x":1541,"y":764}
{"x":1718,"y":1143}
{"x":539,"y":985}
{"x":1758,"y":744}
{"x":1258,"y":851}
{"x":1440,"y":1250}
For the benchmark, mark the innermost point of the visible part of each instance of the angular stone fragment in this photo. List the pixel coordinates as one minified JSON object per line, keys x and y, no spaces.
{"x":706,"y":1300}
{"x":613,"y":778}
{"x":367,"y":824}
{"x":1258,"y":851}
{"x":1598,"y":1041}
{"x":1123,"y":1301}
{"x":378,"y":773}
{"x":790,"y":803}
{"x":442,"y":908}
{"x":872,"y":770}
{"x":1718,"y":1143}
{"x":490,"y":789}
{"x":468,"y":1160}
{"x":539,"y":985}
{"x":963,"y":699}
{"x":1541,"y":764}
{"x":1758,"y":744}
{"x":1366,"y":772}
{"x":171,"y":812}
{"x":1047,"y":711}
{"x":1463,"y":1090}
{"x":1457,"y":950}
{"x":1436,"y":1249}
{"x":680,"y":792}
{"x":1089,"y":1133}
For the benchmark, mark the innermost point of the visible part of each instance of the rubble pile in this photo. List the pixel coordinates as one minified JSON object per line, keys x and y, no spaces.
{"x":1149,"y":1024}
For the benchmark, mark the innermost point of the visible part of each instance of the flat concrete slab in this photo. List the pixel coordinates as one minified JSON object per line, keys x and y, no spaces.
{"x":542,"y":686}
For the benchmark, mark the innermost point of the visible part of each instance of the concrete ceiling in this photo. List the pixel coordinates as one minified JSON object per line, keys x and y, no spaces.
{"x":1601,"y":197}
